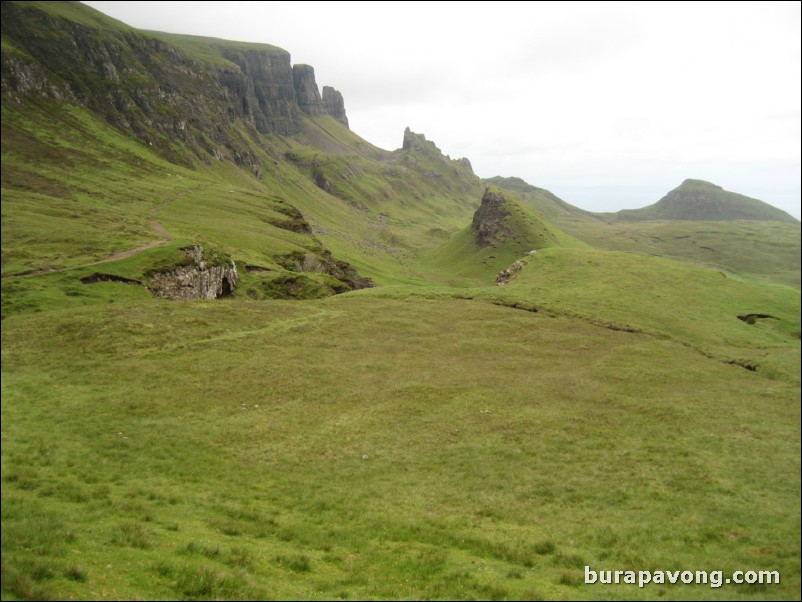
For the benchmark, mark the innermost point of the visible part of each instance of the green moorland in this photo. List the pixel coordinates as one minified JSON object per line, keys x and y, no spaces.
{"x":767,"y":250}
{"x":433,"y":437}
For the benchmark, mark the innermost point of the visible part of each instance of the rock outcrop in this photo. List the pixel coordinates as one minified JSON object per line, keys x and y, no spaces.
{"x":261,"y":91}
{"x":417,"y":142}
{"x":309,"y":99}
{"x":504,"y":276}
{"x":465,"y":162}
{"x":488,"y":221}
{"x":207,"y":275}
{"x":306,"y":91}
{"x":334,"y":104}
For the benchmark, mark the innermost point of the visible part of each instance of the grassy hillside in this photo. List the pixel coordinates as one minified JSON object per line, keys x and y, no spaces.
{"x":503,"y":230}
{"x":75,"y":192}
{"x":766,"y":249}
{"x":435,"y":436}
{"x":549,"y":204}
{"x":698,"y":200}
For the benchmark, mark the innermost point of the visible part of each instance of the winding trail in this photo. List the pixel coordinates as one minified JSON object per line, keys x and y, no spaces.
{"x":156,"y":226}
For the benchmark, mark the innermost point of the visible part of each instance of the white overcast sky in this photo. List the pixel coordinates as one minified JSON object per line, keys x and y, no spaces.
{"x":607,"y":104}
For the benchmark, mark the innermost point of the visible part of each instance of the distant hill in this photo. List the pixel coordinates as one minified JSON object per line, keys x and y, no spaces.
{"x":749,"y":237}
{"x":697,"y":200}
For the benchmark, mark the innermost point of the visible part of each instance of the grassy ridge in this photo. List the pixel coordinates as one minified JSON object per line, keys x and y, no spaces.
{"x":482,"y":468}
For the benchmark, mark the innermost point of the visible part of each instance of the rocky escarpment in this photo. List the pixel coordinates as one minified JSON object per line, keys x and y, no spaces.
{"x":334,"y":104}
{"x":309,"y":99}
{"x":183,"y":96}
{"x":261,"y":91}
{"x":509,"y":228}
{"x":206,"y":275}
{"x":306,"y":91}
{"x":488,"y":221}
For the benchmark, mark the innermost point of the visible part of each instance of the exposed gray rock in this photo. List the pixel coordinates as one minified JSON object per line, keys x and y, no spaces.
{"x":334,"y":104}
{"x":488,"y":221}
{"x":504,"y":276}
{"x":465,"y":163}
{"x":322,"y":182}
{"x":306,"y":91}
{"x":417,"y":142}
{"x":262,"y":91}
{"x":207,"y":276}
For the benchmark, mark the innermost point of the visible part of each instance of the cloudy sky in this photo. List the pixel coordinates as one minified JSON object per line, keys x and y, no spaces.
{"x":607,"y":104}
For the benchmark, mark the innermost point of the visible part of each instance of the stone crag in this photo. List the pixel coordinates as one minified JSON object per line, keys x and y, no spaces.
{"x":334,"y":104}
{"x":488,"y":221}
{"x":306,"y":91}
{"x":309,"y":99}
{"x":206,"y":276}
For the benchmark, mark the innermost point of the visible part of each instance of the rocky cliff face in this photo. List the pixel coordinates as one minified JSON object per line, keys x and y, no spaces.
{"x":207,"y":276}
{"x":309,"y":99}
{"x":334,"y":104}
{"x":306,"y":90}
{"x":261,"y":91}
{"x":417,"y":142}
{"x":488,"y":221}
{"x":158,"y":87}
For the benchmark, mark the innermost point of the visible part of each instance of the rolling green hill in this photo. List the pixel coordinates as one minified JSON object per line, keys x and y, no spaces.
{"x":698,"y":200}
{"x":348,"y":407}
{"x":766,"y":248}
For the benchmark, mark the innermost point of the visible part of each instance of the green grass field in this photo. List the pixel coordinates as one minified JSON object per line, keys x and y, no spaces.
{"x":402,"y":448}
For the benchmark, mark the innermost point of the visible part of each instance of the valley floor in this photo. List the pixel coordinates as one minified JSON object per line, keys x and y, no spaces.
{"x":369,"y":447}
